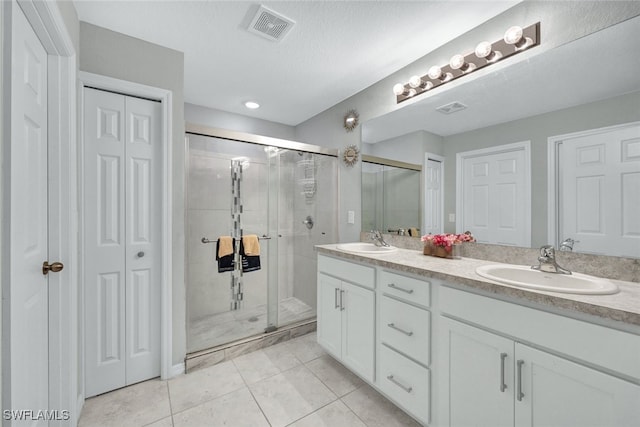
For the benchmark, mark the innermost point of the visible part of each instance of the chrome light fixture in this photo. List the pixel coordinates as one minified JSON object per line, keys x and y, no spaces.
{"x":516,"y":39}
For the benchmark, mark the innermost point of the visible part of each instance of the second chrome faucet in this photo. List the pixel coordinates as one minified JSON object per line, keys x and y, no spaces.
{"x":547,"y":261}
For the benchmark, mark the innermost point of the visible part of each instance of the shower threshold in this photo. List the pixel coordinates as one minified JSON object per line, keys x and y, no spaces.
{"x":212,"y":356}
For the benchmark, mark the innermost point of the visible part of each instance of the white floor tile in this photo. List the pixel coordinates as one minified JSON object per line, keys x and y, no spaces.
{"x":335,"y":376}
{"x":335,"y":414}
{"x":255,"y":366}
{"x":376,"y":411}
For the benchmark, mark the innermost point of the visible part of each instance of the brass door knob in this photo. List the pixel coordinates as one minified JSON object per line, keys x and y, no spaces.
{"x":55,"y":267}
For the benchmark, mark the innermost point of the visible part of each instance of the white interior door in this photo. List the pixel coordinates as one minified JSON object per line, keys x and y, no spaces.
{"x":29,"y":216}
{"x":496,"y":198}
{"x":599,"y":191}
{"x":122,"y":240}
{"x":433,"y":197}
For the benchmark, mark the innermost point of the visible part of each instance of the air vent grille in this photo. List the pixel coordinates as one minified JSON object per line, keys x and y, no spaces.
{"x":270,"y":25}
{"x":452,"y":107}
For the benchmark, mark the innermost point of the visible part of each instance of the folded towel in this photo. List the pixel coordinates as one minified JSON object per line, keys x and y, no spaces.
{"x":224,"y":246}
{"x":225,"y":263}
{"x":249,"y":262}
{"x":251,"y":244}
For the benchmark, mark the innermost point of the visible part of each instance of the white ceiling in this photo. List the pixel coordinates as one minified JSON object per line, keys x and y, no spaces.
{"x":335,"y":50}
{"x":599,"y":66}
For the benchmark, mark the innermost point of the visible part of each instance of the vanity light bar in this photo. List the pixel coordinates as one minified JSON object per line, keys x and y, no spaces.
{"x":515,"y":40}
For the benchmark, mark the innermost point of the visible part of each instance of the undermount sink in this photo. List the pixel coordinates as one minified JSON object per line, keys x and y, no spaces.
{"x":523,"y":276}
{"x":365,"y":248}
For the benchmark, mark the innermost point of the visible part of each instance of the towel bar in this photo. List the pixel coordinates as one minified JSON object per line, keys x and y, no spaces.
{"x":263,"y":237}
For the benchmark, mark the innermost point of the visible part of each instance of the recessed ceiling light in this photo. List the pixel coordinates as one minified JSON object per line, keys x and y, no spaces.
{"x":251,"y":105}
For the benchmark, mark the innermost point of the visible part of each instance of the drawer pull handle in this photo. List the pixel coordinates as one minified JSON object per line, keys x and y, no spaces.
{"x":402,"y":386}
{"x":335,"y":298}
{"x":393,"y":286}
{"x":503,"y":386}
{"x":392,"y":326}
{"x":520,"y":394}
{"x":341,"y":300}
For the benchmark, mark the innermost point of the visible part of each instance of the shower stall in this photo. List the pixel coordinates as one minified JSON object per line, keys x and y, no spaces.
{"x":282,"y":191}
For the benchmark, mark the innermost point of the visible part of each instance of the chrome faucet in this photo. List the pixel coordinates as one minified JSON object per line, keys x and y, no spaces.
{"x":377,"y":238}
{"x":547,"y":261}
{"x":567,"y":244}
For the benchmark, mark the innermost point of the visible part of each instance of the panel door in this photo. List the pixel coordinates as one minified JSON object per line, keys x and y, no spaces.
{"x":358,"y":337}
{"x":104,"y":240}
{"x":142,"y":236}
{"x":479,"y":376}
{"x":600,"y":192}
{"x":433,"y":198}
{"x":558,"y":392}
{"x":495,"y":198}
{"x":122,"y":240}
{"x":329,"y":314}
{"x":29,"y":316}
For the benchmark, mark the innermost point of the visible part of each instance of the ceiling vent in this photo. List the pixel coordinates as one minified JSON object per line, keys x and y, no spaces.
{"x":453,"y":107}
{"x":270,"y":25}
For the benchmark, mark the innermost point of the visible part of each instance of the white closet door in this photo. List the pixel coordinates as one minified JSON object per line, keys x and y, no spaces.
{"x":29,"y":293}
{"x":122,"y":240}
{"x":142,"y":254}
{"x":495,"y":199}
{"x":433,"y":198}
{"x":600,"y":192}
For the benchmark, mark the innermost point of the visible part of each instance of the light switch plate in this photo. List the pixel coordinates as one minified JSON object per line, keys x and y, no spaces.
{"x":351,"y":217}
{"x":452,"y":217}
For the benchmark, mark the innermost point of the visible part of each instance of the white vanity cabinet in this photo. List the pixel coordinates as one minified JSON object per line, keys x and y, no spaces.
{"x":404,"y":342}
{"x":346,"y":313}
{"x":495,"y":380}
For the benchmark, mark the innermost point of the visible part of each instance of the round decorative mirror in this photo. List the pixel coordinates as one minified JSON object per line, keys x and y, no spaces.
{"x":350,"y":155}
{"x":351,"y":120}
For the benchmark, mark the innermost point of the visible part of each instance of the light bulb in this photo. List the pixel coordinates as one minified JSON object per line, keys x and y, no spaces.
{"x":399,"y":89}
{"x":484,"y":50}
{"x":435,"y":72}
{"x":513,"y":35}
{"x":457,"y":62}
{"x":412,"y":92}
{"x":415,"y":81}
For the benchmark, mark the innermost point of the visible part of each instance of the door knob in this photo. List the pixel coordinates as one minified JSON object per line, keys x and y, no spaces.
{"x":140,"y":254}
{"x":55,"y":267}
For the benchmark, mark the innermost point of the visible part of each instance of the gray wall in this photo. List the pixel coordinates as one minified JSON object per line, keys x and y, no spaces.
{"x":562,"y":23}
{"x":408,"y":148}
{"x":537,"y":129}
{"x":224,"y":120}
{"x":115,"y":55}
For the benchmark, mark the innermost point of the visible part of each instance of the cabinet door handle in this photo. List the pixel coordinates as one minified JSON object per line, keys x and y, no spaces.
{"x":393,"y":286}
{"x":392,"y":326}
{"x":503,"y":386}
{"x":402,"y":386}
{"x":341,"y":300}
{"x":520,"y":394}
{"x":335,"y":298}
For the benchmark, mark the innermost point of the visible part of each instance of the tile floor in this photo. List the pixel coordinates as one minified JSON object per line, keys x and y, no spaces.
{"x":294,"y":383}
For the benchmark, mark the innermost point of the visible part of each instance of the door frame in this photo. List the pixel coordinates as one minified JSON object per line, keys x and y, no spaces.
{"x":46,"y":20}
{"x":553,"y":181}
{"x":85,"y":79}
{"x":524,"y":146}
{"x":437,"y":158}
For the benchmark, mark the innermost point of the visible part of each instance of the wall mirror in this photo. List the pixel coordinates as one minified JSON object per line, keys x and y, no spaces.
{"x":561,"y":93}
{"x":391,"y":196}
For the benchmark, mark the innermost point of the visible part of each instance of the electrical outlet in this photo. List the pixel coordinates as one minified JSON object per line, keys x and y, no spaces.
{"x":351,"y":217}
{"x":452,"y":217}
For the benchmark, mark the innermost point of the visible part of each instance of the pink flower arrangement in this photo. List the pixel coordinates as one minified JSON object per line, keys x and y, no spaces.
{"x":447,"y":240}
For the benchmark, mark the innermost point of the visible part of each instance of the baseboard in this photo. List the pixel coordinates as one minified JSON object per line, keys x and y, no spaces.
{"x":176,"y":370}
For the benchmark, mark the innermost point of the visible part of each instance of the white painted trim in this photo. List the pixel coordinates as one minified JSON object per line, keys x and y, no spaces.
{"x":177,"y":369}
{"x":516,"y":146}
{"x":553,"y":147}
{"x":165,"y":97}
{"x":47,"y":22}
{"x":430,"y":156}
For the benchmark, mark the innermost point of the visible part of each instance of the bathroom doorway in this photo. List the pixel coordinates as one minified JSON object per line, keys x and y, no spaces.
{"x":283,"y":192}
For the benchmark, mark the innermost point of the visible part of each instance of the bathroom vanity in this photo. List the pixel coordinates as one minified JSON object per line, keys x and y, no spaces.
{"x":452,"y":348}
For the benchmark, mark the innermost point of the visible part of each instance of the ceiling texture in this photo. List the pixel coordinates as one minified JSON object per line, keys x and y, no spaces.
{"x":334,"y":50}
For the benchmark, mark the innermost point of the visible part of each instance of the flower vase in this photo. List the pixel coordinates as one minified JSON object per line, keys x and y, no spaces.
{"x":441,"y":252}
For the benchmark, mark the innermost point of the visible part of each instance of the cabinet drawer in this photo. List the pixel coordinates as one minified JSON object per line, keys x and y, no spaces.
{"x":405,"y":288}
{"x":347,"y":271}
{"x":405,"y":328}
{"x":406,"y":382}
